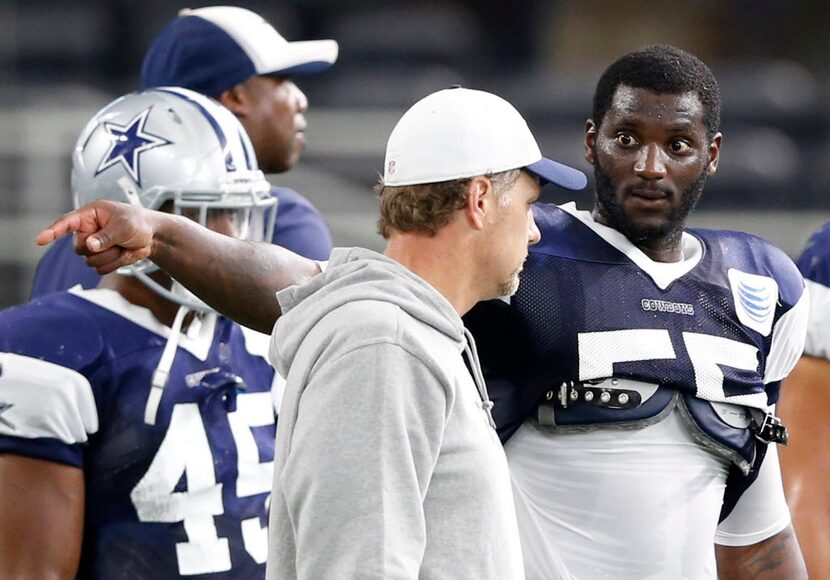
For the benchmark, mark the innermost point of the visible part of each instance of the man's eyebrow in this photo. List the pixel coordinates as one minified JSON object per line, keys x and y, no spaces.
{"x":682,"y":125}
{"x":629,"y":119}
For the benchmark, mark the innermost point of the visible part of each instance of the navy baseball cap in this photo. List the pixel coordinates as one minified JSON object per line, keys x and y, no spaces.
{"x":210,"y":50}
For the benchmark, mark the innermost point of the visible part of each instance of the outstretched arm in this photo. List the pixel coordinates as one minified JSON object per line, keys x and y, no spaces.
{"x":235,"y":277}
{"x":776,"y":558}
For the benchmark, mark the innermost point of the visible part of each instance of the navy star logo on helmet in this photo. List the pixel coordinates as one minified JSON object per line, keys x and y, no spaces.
{"x":127,"y":143}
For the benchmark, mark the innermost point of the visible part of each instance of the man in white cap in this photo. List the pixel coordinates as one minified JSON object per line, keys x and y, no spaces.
{"x":234,"y":56}
{"x":388,"y":464}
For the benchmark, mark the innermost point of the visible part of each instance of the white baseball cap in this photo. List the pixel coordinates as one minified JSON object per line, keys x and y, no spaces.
{"x":457,"y":133}
{"x":212,"y":49}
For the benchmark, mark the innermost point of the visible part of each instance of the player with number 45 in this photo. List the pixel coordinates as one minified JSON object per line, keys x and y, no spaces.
{"x":136,"y":425}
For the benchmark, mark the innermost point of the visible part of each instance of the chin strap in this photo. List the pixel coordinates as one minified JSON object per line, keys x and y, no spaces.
{"x":162,"y":372}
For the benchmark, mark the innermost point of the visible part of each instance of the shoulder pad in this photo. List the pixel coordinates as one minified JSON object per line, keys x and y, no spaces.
{"x":755,"y":256}
{"x":565,"y":236}
{"x":58,"y":328}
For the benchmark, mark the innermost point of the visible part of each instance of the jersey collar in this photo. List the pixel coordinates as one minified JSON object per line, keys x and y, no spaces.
{"x":662,"y":273}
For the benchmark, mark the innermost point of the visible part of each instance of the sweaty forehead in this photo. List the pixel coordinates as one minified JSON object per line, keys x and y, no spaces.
{"x":636,"y":103}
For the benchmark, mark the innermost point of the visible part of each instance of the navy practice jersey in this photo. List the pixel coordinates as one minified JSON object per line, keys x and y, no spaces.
{"x":725,"y":324}
{"x":814,"y":264}
{"x":300,"y":228}
{"x":186,"y":496}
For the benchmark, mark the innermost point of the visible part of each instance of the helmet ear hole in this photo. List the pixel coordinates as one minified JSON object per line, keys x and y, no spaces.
{"x":174,"y":150}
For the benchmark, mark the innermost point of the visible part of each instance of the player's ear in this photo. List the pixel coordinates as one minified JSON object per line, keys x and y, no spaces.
{"x":714,"y":154}
{"x":479,"y":199}
{"x":590,"y":141}
{"x":234,"y":99}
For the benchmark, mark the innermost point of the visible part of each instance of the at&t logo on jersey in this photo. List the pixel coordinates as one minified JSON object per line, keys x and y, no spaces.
{"x":755,"y":298}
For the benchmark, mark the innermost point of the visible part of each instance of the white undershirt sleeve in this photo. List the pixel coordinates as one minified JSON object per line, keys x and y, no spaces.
{"x":788,"y":340}
{"x":818,"y":327}
{"x":761,"y":512}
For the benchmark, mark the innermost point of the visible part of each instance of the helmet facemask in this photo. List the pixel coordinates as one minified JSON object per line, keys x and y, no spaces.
{"x":243,"y":209}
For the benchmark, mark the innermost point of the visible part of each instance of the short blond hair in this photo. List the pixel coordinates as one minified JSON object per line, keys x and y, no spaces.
{"x":428,"y":207}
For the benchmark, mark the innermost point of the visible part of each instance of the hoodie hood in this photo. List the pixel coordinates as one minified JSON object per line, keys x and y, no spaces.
{"x":355,"y":274}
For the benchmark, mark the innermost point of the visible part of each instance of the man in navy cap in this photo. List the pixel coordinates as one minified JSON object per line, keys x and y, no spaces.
{"x":236,"y":57}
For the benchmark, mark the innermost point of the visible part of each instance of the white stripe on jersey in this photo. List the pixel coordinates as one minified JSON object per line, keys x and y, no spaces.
{"x":45,"y":400}
{"x":818,"y":327}
{"x":788,"y":340}
{"x":258,"y":344}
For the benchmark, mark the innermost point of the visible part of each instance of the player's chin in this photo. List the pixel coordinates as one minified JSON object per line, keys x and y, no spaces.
{"x":295,"y":153}
{"x":648,"y":218}
{"x":648,"y":229}
{"x":299,"y":141}
{"x":647,"y":208}
{"x":510,"y":286}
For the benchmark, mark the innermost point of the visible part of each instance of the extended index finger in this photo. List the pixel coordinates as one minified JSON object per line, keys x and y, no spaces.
{"x":70,"y":222}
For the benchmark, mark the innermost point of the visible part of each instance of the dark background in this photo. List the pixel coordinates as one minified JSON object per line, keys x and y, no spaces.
{"x":61,"y":61}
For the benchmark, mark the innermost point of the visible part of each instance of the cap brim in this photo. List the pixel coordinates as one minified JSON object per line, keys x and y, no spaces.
{"x":550,"y":171}
{"x":301,"y":58}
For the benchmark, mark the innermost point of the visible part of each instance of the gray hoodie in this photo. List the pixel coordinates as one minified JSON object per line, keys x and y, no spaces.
{"x":387,"y":462}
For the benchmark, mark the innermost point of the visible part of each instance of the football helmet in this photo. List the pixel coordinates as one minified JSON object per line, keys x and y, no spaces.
{"x":179,"y":151}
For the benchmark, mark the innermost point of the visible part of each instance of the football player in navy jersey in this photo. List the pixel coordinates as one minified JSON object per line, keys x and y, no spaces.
{"x":634,"y":370}
{"x":136,"y":425}
{"x":233,"y":55}
{"x":804,"y":408}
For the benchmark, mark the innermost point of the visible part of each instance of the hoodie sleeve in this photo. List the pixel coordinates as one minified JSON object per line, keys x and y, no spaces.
{"x":363,"y":450}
